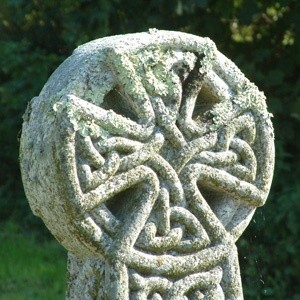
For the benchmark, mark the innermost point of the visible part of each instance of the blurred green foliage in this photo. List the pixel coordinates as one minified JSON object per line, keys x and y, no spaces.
{"x":31,"y":267}
{"x":261,"y":36}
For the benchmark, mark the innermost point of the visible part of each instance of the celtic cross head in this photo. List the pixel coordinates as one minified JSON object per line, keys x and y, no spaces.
{"x":146,"y":156}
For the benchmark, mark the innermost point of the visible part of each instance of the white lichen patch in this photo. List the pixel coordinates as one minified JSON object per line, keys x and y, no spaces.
{"x":155,"y":67}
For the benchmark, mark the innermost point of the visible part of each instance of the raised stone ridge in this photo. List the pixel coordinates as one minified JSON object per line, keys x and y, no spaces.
{"x":146,"y":156}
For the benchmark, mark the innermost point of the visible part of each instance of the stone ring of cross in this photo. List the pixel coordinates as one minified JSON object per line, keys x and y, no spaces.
{"x":150,"y":151}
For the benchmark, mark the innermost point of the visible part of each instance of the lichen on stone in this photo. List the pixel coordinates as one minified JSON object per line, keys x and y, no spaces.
{"x":146,"y":156}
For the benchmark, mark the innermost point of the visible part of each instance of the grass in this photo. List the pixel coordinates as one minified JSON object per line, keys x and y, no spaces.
{"x":30,"y":268}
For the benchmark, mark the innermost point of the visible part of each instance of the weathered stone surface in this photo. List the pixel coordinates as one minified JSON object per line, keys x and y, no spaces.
{"x":146,"y":156}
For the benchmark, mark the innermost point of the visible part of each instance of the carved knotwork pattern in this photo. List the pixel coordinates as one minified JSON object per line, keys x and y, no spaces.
{"x":155,"y":167}
{"x":145,"y":180}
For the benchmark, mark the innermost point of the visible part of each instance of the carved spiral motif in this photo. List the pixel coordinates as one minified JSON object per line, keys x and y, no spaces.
{"x":166,"y":168}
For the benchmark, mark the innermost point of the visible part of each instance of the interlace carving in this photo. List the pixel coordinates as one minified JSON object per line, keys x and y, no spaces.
{"x":162,"y":174}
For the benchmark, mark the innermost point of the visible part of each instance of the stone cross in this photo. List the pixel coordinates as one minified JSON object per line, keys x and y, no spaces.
{"x":146,"y":156}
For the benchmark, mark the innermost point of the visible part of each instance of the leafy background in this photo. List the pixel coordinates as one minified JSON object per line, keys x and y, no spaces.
{"x":260,"y":36}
